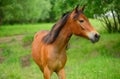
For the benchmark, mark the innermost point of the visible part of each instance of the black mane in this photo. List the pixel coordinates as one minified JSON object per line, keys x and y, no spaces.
{"x":53,"y":34}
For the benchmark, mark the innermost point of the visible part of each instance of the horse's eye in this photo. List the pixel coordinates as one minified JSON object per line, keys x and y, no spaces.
{"x":81,"y":21}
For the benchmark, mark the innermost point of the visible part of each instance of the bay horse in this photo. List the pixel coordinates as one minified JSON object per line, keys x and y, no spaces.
{"x":49,"y":47}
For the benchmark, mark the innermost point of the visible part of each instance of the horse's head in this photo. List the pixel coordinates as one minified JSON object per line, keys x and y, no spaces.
{"x":81,"y":26}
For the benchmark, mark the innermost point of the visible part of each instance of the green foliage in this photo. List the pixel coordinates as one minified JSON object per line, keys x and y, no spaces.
{"x":111,"y":24}
{"x":24,"y":10}
{"x":31,"y":11}
{"x":61,"y":7}
{"x":100,"y":8}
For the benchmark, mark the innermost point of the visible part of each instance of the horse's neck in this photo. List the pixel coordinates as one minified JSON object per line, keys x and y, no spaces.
{"x":63,"y":38}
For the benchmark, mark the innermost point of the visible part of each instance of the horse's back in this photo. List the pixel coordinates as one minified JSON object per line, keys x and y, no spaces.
{"x":38,"y":38}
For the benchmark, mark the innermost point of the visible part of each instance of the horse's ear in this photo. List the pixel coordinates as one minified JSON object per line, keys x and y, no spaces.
{"x":76,"y":8}
{"x":82,"y":9}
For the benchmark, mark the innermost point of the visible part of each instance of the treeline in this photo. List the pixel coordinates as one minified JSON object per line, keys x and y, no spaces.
{"x":24,"y":11}
{"x":32,"y":11}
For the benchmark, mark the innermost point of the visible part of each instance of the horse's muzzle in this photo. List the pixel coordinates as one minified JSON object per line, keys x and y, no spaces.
{"x":95,"y":38}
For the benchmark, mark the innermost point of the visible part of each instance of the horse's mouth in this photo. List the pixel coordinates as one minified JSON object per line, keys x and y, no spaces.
{"x":94,"y":37}
{"x":95,"y":40}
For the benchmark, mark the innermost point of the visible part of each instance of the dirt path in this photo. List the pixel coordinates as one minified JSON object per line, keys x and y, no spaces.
{"x":9,"y":38}
{"x":25,"y":60}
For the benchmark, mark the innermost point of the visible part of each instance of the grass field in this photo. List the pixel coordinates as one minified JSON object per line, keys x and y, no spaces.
{"x":85,"y":60}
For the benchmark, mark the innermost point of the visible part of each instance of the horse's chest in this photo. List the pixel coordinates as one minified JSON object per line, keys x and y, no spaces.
{"x":57,"y":61}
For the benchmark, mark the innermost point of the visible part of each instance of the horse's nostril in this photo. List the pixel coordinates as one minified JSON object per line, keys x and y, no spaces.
{"x":97,"y":36}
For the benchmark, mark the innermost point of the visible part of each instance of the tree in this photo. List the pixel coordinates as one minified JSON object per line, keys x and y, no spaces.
{"x":23,"y":11}
{"x":93,"y":7}
{"x":62,"y":6}
{"x":101,"y":7}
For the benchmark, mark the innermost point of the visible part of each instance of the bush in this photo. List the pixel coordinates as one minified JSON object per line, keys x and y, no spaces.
{"x":112,"y":24}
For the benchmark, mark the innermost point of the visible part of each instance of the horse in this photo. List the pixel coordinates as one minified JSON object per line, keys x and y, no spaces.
{"x":49,"y":47}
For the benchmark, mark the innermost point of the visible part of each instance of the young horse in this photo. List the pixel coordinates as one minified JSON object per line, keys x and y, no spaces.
{"x":49,"y":47}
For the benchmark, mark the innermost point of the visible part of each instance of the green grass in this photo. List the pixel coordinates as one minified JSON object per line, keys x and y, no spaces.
{"x":10,"y":30}
{"x":85,"y":59}
{"x":94,"y":61}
